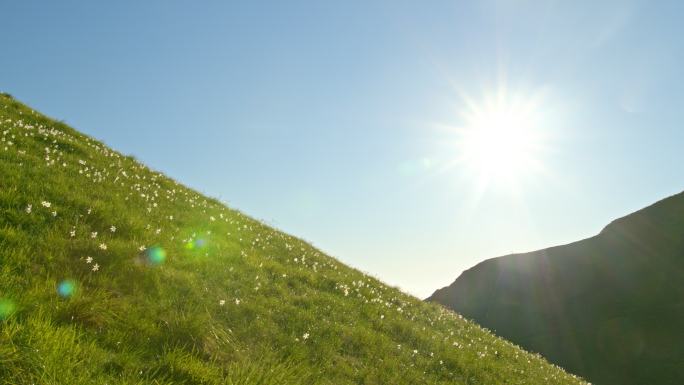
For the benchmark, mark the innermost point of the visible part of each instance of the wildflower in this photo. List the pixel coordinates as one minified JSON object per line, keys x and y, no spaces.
{"x":89,"y":259}
{"x":237,"y":301}
{"x":72,"y":233}
{"x":222,"y":302}
{"x":305,"y":336}
{"x":112,"y":229}
{"x":28,"y":209}
{"x":142,"y":248}
{"x":96,"y":267}
{"x":93,"y":234}
{"x":54,"y":213}
{"x":157,"y":231}
{"x":46,"y":204}
{"x":103,"y":246}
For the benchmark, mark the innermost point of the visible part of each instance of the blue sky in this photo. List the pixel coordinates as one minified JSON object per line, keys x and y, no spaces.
{"x":331,"y":120}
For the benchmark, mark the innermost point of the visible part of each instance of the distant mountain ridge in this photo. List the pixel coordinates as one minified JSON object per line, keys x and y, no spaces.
{"x":609,"y":307}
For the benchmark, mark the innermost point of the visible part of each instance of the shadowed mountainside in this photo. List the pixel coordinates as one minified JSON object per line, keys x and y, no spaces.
{"x":610,"y":307}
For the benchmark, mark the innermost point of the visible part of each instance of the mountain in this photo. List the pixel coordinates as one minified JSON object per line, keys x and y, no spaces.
{"x":112,"y":273}
{"x":610,"y":307}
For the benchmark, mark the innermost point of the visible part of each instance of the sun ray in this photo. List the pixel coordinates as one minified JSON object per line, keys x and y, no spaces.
{"x":499,"y":141}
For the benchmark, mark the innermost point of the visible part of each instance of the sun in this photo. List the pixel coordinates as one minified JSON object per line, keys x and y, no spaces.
{"x":500,"y":139}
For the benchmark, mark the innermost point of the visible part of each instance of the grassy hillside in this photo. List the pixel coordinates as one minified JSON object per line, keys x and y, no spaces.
{"x":112,"y":273}
{"x":610,"y":307}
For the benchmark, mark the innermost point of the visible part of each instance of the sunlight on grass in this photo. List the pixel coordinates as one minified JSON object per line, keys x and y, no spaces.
{"x":232,"y":301}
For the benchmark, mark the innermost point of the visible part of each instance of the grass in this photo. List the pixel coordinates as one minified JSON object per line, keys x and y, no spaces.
{"x":112,"y":273}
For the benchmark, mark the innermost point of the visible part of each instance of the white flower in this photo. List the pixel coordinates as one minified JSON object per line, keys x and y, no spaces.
{"x":103,"y":246}
{"x":89,"y":259}
{"x":46,"y":204}
{"x":305,"y":336}
{"x":157,"y":231}
{"x":72,"y":233}
{"x":237,"y":301}
{"x":142,"y":248}
{"x":28,"y":209}
{"x":96,"y":267}
{"x":212,"y":219}
{"x":222,"y":302}
{"x":112,"y":229}
{"x":93,"y":234}
{"x":54,"y":213}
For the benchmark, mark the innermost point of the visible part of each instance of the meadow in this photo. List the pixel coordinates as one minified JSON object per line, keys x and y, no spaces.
{"x":112,"y":273}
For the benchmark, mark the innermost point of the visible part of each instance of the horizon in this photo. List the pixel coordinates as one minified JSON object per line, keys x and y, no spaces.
{"x":344,"y":129}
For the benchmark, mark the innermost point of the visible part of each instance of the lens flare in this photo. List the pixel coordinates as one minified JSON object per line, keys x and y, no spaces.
{"x":194,"y":244}
{"x":156,"y":255}
{"x":200,"y":243}
{"x":6,"y":308}
{"x":66,"y":288}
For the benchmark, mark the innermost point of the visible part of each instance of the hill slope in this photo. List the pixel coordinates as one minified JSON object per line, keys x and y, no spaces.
{"x":113,"y":273}
{"x":610,"y":308}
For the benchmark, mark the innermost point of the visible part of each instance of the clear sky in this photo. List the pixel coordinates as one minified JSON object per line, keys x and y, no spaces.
{"x":342,"y":122}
